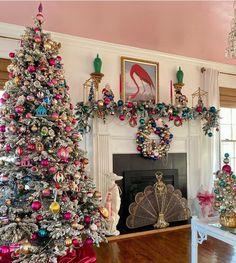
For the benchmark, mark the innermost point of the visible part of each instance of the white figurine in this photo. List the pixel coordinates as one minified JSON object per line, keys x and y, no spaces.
{"x":113,"y":204}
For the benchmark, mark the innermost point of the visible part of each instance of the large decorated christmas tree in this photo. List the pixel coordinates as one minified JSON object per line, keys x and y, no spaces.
{"x":48,"y":205}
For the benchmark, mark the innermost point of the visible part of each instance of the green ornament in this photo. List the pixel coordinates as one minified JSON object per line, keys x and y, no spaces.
{"x":141,"y":121}
{"x":141,"y":108}
{"x":175,"y":113}
{"x":180,"y":76}
{"x":97,"y":63}
{"x":44,"y":131}
{"x":86,"y":108}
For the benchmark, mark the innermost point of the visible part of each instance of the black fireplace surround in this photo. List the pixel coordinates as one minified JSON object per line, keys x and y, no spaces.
{"x":139,"y":172}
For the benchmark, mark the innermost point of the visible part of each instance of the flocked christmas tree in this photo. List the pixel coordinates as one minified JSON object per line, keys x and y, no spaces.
{"x":47,"y":202}
{"x":225,"y":189}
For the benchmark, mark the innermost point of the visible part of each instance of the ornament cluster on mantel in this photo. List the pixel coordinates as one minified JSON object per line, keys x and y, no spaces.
{"x":149,"y":116}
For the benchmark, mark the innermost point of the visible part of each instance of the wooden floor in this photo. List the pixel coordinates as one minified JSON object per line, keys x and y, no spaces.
{"x":166,"y":247}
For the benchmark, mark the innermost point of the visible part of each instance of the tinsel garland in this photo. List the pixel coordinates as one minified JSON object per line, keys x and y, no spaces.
{"x":141,"y":112}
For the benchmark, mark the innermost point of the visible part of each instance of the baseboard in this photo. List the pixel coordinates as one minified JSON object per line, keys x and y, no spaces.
{"x":149,"y":232}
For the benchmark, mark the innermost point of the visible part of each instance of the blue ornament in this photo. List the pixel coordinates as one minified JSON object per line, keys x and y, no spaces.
{"x":226,"y":155}
{"x":171,"y":136}
{"x":46,"y":99}
{"x":43,"y":232}
{"x":27,"y":178}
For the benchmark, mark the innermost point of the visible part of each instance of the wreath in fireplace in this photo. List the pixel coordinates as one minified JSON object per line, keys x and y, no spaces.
{"x":152,"y":148}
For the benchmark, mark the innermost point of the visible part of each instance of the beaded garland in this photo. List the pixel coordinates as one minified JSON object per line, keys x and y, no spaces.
{"x":149,"y":147}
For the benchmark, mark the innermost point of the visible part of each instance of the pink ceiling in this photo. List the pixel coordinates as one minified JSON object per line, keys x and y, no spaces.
{"x":195,"y":29}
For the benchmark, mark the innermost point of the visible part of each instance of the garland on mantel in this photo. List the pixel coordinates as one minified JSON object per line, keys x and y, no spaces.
{"x":145,"y":113}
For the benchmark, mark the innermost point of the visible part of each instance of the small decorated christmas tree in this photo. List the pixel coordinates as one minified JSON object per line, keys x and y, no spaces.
{"x":48,"y":205}
{"x":225,"y":190}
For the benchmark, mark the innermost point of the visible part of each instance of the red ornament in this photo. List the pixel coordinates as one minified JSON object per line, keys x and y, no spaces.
{"x":34,"y":236}
{"x":19,"y":109}
{"x":226,"y":168}
{"x":51,"y":61}
{"x":75,"y":242}
{"x":5,"y":96}
{"x":31,"y":146}
{"x":89,"y":241}
{"x":55,"y":116}
{"x":199,"y":109}
{"x":31,"y":69}
{"x":2,"y":101}
{"x":36,"y":205}
{"x":58,"y":96}
{"x":67,"y":215}
{"x":122,"y":117}
{"x":129,"y":104}
{"x":107,"y":101}
{"x":7,"y":147}
{"x":139,"y":148}
{"x":37,"y":39}
{"x":44,"y":163}
{"x":11,"y":54}
{"x":19,"y":151}
{"x":39,"y":217}
{"x":68,"y":129}
{"x":2,"y":128}
{"x":87,"y":219}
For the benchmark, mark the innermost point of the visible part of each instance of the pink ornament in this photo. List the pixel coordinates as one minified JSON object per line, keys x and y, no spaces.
{"x":31,"y":146}
{"x":122,"y":117}
{"x":226,"y":168}
{"x":11,"y":54}
{"x":63,"y":153}
{"x":77,"y":162}
{"x":87,"y":219}
{"x":55,"y":116}
{"x":2,"y":128}
{"x":50,"y":83}
{"x":36,"y":205}
{"x":44,"y":163}
{"x":34,"y":236}
{"x":54,"y":81}
{"x":59,"y":58}
{"x":52,"y":170}
{"x":19,"y":151}
{"x":5,"y":96}
{"x":36,"y":30}
{"x":58,"y":96}
{"x":2,"y":101}
{"x":8,"y":148}
{"x":12,"y":116}
{"x":28,"y":115}
{"x":37,"y":39}
{"x":67,"y":216}
{"x":68,"y":129}
{"x":130,"y":104}
{"x":64,"y":198}
{"x":46,"y":192}
{"x":51,"y":61}
{"x":107,"y":101}
{"x":4,"y":249}
{"x":39,"y":217}
{"x":89,"y":241}
{"x":11,"y":75}
{"x":75,"y":242}
{"x":40,"y":17}
{"x":139,"y":148}
{"x":31,"y":69}
{"x":19,"y":109}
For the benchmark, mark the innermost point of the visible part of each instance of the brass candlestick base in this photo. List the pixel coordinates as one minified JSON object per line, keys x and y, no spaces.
{"x":180,"y":99}
{"x":97,"y":77}
{"x":228,"y":220}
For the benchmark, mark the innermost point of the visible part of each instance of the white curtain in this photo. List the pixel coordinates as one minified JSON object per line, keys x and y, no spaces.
{"x":210,"y":146}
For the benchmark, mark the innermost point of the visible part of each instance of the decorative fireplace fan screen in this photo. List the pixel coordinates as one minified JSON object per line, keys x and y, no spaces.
{"x":157,"y":205}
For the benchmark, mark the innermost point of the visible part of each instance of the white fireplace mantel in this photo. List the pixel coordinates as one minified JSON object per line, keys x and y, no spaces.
{"x":116,"y":137}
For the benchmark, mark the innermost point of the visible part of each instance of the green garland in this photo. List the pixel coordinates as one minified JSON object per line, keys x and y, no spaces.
{"x":141,"y":112}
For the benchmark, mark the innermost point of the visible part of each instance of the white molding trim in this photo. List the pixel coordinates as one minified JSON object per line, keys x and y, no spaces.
{"x":12,"y":30}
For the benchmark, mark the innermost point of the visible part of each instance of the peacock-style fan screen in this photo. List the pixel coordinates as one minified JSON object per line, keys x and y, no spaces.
{"x":158,"y":205}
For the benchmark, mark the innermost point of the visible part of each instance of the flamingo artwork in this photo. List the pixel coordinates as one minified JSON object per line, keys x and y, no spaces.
{"x":145,"y":89}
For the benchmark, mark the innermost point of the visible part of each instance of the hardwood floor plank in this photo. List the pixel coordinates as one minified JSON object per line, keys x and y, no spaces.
{"x":165,"y":247}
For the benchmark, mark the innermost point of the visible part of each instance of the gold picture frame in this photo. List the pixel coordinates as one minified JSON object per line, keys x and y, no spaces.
{"x":139,"y":80}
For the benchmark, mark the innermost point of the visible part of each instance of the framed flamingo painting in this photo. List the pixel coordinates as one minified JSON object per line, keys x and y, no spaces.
{"x":139,"y":80}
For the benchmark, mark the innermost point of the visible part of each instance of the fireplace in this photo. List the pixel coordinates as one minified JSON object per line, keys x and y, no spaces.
{"x":139,"y":172}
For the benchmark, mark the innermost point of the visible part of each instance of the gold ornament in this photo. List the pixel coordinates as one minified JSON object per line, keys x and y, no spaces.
{"x":104,"y":212}
{"x":85,"y":161}
{"x":39,"y":147}
{"x":228,"y":220}
{"x":8,"y":202}
{"x":26,"y":247}
{"x":18,"y":219}
{"x":34,"y":128}
{"x":55,"y":208}
{"x":100,"y":103}
{"x":63,"y":117}
{"x":68,"y":242}
{"x":97,"y":194}
{"x":75,"y":225}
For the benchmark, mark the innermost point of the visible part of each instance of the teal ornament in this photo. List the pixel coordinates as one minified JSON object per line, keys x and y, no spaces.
{"x":180,"y":76}
{"x":210,"y":134}
{"x":97,"y":63}
{"x":226,"y":155}
{"x":222,"y":183}
{"x":141,"y":121}
{"x":120,"y":103}
{"x":141,"y":107}
{"x":160,"y":106}
{"x":43,"y":232}
{"x":212,"y":109}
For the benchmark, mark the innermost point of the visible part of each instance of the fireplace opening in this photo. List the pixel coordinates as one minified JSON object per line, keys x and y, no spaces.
{"x":139,"y":172}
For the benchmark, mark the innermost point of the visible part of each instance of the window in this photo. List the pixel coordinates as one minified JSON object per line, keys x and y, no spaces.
{"x":228,"y":134}
{"x":3,"y":71}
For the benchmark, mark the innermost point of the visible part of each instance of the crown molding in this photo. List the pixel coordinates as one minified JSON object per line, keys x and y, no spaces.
{"x":15,"y":31}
